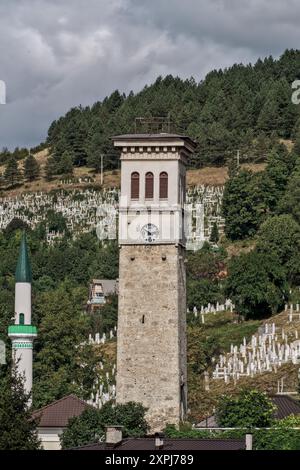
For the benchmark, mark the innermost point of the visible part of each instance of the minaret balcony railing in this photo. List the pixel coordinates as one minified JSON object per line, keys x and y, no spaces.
{"x":22,"y":330}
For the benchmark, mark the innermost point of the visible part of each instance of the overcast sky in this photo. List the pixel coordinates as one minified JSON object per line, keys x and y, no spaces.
{"x":55,"y":54}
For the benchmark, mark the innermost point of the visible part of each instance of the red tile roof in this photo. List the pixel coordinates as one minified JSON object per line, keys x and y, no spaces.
{"x":58,"y":413}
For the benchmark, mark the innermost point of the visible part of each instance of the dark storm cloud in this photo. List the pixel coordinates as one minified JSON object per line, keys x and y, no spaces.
{"x":55,"y":54}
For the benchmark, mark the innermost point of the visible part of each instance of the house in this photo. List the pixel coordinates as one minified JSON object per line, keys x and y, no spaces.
{"x":285,"y":406}
{"x":99,"y":290}
{"x":53,"y":419}
{"x":115,"y":442}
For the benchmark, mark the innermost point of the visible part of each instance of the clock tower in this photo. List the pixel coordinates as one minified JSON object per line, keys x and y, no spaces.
{"x":151,"y":349}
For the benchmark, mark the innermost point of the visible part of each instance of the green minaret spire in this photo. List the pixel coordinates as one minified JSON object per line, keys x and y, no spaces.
{"x":23,"y":271}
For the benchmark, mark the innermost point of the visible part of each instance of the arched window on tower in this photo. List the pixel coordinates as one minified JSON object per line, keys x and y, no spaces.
{"x":149,"y":187}
{"x":163,"y":185}
{"x":135,"y":185}
{"x":21,"y":319}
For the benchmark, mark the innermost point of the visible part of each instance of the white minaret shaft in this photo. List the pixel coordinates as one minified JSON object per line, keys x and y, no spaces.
{"x":22,"y":333}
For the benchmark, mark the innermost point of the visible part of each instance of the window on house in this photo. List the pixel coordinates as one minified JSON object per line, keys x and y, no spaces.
{"x":163,"y":185}
{"x":149,"y":189}
{"x":21,"y":319}
{"x":135,"y":185}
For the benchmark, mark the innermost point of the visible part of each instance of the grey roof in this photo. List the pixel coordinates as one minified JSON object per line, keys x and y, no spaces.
{"x":148,"y":443}
{"x":152,"y":137}
{"x":110,"y":286}
{"x":286,"y":406}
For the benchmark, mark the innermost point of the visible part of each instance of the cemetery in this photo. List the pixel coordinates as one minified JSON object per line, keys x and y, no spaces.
{"x":87,"y":209}
{"x":104,"y":388}
{"x":274,"y":345}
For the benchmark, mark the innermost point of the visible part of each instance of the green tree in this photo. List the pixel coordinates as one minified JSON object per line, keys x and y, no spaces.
{"x":59,"y":356}
{"x":50,"y":168}
{"x":291,"y":198}
{"x":241,"y":205}
{"x":276,"y":175}
{"x":17,"y":430}
{"x":89,"y":427}
{"x":214,"y":236}
{"x":256,"y":284}
{"x":65,"y":166}
{"x":205,"y":263}
{"x":202,"y":292}
{"x":282,"y":436}
{"x":31,"y":168}
{"x":105,"y":318}
{"x":12,"y":174}
{"x":281,"y":235}
{"x":250,"y":408}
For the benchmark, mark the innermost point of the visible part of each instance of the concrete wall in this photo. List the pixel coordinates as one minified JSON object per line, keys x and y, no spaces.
{"x":49,"y":438}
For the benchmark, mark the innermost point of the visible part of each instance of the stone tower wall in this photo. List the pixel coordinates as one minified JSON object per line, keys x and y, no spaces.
{"x":151,"y":359}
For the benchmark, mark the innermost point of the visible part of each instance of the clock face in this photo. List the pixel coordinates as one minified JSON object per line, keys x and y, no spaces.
{"x":150,"y":233}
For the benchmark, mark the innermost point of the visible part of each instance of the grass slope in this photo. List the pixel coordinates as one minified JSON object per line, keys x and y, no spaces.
{"x":212,"y":176}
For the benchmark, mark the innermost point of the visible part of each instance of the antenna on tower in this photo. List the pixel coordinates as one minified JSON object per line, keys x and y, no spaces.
{"x":154,"y":125}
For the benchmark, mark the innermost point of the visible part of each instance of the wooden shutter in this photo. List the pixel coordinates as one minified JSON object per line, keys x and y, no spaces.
{"x":163,"y":185}
{"x":149,"y":188}
{"x":135,"y":185}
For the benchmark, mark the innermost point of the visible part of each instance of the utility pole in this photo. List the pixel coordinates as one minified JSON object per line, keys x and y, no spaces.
{"x":101,"y":168}
{"x":238,"y":158}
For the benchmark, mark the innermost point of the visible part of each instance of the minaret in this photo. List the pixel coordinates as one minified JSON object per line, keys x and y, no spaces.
{"x":22,"y":333}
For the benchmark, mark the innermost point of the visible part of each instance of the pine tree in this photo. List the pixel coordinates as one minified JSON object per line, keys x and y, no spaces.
{"x":296,"y":149}
{"x":50,"y":169}
{"x":31,"y":168}
{"x":214,"y":236}
{"x":12,"y":174}
{"x":233,"y":167}
{"x":66,"y":164}
{"x":95,"y":149}
{"x":17,"y":430}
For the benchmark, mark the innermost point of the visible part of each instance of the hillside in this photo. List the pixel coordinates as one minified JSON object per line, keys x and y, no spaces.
{"x":224,"y":332}
{"x":211,"y":176}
